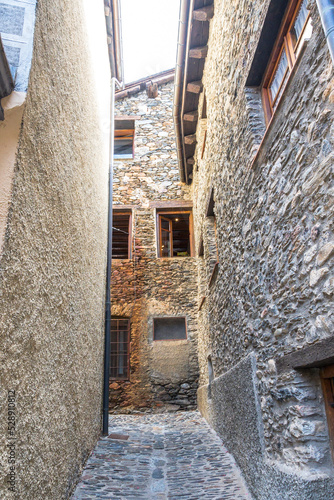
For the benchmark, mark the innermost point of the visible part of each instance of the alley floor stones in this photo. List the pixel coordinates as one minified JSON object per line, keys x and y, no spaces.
{"x":160,"y":457}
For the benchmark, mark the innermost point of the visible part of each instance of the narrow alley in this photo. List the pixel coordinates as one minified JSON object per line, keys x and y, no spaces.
{"x":161,"y":456}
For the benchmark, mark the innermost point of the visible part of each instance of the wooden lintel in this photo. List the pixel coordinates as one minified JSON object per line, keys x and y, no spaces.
{"x":314,"y":356}
{"x":179,"y":204}
{"x":198,"y":52}
{"x":195,"y":87}
{"x":191,"y":116}
{"x":190,"y":139}
{"x":204,"y":14}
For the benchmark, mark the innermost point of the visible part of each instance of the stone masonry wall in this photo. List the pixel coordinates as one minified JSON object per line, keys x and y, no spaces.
{"x":274,"y":216}
{"x":52,"y":268}
{"x":163,"y":374}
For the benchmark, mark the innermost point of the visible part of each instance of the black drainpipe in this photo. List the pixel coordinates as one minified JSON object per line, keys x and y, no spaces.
{"x":326,"y":11}
{"x":108,"y":278}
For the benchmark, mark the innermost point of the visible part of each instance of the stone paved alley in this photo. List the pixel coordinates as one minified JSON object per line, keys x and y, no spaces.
{"x":166,"y":456}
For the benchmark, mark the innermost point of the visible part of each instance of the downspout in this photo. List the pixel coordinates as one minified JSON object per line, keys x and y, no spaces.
{"x":178,"y":85}
{"x":108,"y":278}
{"x":326,"y":11}
{"x":119,"y":72}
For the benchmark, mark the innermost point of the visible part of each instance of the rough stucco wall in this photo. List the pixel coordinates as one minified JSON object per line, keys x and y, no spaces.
{"x":273,"y":293}
{"x":52,"y":275}
{"x":147,"y":286}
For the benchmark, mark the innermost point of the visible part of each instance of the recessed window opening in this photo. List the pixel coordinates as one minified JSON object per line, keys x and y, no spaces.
{"x":203,"y":114}
{"x":174,"y":234}
{"x":120,"y":348}
{"x":121,"y":235}
{"x":169,"y":328}
{"x":124,"y":139}
{"x":210,"y":370}
{"x":210,"y":207}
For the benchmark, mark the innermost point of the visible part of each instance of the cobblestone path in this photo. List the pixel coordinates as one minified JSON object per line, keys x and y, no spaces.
{"x":166,"y":456}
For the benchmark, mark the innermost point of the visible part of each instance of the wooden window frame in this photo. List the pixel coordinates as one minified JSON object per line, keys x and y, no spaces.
{"x":128,"y":343}
{"x":283,"y":42}
{"x":160,"y":213}
{"x":170,"y":317}
{"x":327,"y":383}
{"x":129,"y":213}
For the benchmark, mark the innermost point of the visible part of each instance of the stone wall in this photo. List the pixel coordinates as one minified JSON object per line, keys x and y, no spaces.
{"x":274,"y":217}
{"x":52,"y":269}
{"x":163,"y":373}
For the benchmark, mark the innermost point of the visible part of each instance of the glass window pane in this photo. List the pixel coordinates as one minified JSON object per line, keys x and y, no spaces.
{"x":299,"y":22}
{"x":120,"y":235}
{"x":181,"y":236}
{"x":165,"y":243}
{"x":280,"y":77}
{"x":119,"y":348}
{"x":123,"y":148}
{"x":175,"y":234}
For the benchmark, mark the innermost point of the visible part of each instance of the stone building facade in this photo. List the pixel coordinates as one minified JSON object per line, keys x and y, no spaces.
{"x":53,"y":231}
{"x":263,"y":220}
{"x":145,"y":287}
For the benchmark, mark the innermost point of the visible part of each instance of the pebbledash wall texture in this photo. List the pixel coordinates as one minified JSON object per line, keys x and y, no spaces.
{"x":164,"y":373}
{"x":273,"y":292}
{"x":52,"y":268}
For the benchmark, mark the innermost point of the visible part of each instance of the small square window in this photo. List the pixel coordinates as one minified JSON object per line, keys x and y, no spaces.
{"x":174,"y":233}
{"x":169,"y":329}
{"x":121,"y":235}
{"x":120,"y":348}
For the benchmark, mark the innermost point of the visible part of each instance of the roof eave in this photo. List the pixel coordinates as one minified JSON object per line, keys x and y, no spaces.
{"x":192,"y":45}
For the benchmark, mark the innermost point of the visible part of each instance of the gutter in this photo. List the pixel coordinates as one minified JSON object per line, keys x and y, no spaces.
{"x":326,"y":11}
{"x":116,"y":68}
{"x":185,"y":8}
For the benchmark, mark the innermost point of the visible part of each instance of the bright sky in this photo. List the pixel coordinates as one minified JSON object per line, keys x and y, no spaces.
{"x":150,"y":30}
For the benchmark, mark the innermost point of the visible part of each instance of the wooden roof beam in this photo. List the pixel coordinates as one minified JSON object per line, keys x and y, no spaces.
{"x":195,"y":87}
{"x":191,"y":116}
{"x":190,"y":139}
{"x":198,"y":52}
{"x":203,"y":14}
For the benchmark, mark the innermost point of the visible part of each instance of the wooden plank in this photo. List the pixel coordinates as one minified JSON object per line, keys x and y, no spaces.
{"x":327,"y":372}
{"x":127,"y":117}
{"x":315,"y":356}
{"x":177,"y":204}
{"x":195,"y":87}
{"x":201,"y":303}
{"x":203,"y":14}
{"x":190,"y":139}
{"x":191,"y":116}
{"x":328,"y":399}
{"x":198,"y":52}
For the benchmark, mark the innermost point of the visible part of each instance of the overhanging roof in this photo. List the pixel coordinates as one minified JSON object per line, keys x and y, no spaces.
{"x":140,"y":85}
{"x":193,"y":36}
{"x":112,"y":11}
